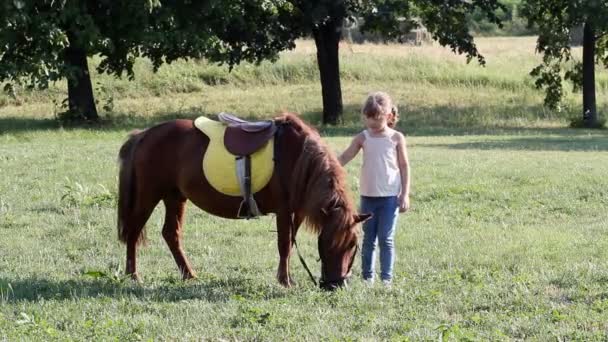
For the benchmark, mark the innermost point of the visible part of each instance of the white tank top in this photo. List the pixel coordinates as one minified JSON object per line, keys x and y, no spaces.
{"x":380,"y":175}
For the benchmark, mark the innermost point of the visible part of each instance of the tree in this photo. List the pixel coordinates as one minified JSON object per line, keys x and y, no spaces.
{"x":445,"y":19}
{"x":513,"y":23}
{"x":556,"y":19}
{"x":44,"y":41}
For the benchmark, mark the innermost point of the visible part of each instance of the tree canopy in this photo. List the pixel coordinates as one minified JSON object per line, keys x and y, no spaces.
{"x":47,"y":40}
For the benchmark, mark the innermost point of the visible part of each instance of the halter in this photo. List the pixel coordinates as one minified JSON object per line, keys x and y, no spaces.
{"x":332,"y":285}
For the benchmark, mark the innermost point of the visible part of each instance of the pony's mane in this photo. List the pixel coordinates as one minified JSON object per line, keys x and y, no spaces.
{"x":318,"y":184}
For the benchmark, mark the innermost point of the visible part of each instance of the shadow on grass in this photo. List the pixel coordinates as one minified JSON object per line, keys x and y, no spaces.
{"x":420,"y":121}
{"x":118,"y":122}
{"x":18,"y":125}
{"x":444,"y":120}
{"x":171,"y":290}
{"x":563,"y":142}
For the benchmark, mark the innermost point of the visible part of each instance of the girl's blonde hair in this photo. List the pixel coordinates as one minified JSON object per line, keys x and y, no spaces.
{"x":379,"y":104}
{"x":393,"y":118}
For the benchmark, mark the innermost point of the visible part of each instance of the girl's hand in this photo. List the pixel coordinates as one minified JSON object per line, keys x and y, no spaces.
{"x":404,"y":203}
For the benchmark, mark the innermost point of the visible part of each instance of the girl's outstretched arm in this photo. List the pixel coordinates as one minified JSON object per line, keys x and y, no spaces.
{"x":352,"y":150}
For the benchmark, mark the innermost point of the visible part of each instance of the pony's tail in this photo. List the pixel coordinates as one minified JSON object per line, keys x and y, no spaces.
{"x":127,"y":186}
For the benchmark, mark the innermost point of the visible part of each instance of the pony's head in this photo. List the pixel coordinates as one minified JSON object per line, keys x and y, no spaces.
{"x":338,"y":246}
{"x":318,"y":192}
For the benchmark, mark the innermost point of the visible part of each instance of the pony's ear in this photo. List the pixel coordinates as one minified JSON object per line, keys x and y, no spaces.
{"x":359,"y":218}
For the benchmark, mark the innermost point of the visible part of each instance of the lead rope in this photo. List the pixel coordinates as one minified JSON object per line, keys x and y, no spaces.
{"x":275,"y":158}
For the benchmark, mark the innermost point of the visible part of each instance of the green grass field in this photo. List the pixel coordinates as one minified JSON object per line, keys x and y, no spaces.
{"x":506,"y":239}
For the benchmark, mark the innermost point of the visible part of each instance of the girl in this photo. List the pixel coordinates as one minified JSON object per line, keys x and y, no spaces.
{"x":384,"y":181}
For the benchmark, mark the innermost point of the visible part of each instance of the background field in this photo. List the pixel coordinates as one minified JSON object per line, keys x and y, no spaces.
{"x":506,"y":238}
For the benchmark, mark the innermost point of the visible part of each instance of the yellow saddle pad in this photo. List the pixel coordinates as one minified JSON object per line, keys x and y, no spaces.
{"x":219,"y":165}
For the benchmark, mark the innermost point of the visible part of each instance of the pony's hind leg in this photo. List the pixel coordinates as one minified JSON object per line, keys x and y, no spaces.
{"x":172,"y":230}
{"x":136,"y":235}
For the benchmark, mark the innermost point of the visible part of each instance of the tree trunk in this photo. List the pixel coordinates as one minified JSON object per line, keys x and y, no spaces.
{"x":589,"y":106}
{"x":80,"y":91}
{"x":327,"y":38}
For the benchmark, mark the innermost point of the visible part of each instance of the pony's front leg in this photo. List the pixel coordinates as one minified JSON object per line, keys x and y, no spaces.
{"x":284,"y":243}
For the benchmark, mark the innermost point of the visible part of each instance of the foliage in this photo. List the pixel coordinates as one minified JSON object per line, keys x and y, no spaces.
{"x":555,"y":21}
{"x":446,"y":20}
{"x":76,"y":195}
{"x":513,"y":23}
{"x":36,"y":35}
{"x":579,"y":122}
{"x":221,"y":31}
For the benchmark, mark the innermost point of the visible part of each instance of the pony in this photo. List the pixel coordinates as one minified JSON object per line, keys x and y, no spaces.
{"x":163,"y":163}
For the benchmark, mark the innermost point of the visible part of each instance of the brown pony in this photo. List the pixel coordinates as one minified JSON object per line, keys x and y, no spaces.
{"x":164,"y":163}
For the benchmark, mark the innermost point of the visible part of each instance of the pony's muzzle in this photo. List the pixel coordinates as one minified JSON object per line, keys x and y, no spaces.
{"x":333,"y":285}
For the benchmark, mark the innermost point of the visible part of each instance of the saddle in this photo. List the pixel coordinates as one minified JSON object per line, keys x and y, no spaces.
{"x":226,"y":171}
{"x":243,"y":138}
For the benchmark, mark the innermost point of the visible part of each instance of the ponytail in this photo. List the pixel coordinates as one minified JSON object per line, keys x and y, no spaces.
{"x":393,"y":117}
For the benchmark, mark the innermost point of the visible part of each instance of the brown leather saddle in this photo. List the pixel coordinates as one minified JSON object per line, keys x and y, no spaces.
{"x":243,"y":138}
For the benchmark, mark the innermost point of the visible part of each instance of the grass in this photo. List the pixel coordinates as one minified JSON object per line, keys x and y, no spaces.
{"x":506,"y":239}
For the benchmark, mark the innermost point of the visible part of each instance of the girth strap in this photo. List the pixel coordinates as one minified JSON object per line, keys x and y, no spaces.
{"x":248,"y":207}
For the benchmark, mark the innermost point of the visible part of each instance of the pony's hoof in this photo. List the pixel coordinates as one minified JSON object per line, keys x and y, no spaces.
{"x":135,"y":278}
{"x":189,"y":276}
{"x":285,"y":282}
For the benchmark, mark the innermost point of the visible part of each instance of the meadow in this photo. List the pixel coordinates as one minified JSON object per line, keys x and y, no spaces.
{"x":506,"y":239}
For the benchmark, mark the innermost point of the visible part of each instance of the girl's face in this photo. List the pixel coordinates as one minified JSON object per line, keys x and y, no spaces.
{"x":376,"y":124}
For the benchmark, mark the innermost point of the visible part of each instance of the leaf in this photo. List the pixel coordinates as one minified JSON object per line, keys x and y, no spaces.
{"x":25,"y":319}
{"x":19,"y":4}
{"x":96,"y":274}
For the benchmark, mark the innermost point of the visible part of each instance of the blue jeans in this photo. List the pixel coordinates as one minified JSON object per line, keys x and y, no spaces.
{"x":380,"y":227}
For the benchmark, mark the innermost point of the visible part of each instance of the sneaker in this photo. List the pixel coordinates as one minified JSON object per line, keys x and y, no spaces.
{"x":368,"y":281}
{"x":387,"y":282}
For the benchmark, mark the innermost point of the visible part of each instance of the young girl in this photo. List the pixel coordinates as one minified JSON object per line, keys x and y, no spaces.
{"x":384,"y":181}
